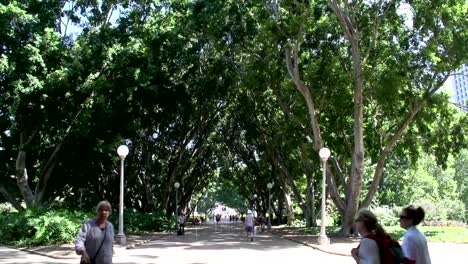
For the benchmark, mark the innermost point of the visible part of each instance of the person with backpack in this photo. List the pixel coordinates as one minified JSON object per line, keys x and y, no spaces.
{"x":376,"y":247}
{"x":368,"y":250}
{"x":414,"y":242}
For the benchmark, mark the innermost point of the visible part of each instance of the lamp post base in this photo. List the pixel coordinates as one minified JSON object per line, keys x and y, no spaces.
{"x":323,"y":240}
{"x":121,"y":239}
{"x":269,"y":226}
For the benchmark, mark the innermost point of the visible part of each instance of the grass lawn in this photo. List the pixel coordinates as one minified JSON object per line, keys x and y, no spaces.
{"x":433,"y":233}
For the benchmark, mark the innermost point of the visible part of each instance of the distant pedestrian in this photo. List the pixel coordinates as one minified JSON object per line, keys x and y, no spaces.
{"x":368,"y":250}
{"x":249,"y":225}
{"x":261,"y":222}
{"x":181,"y":223}
{"x":95,"y":238}
{"x":414,"y":242}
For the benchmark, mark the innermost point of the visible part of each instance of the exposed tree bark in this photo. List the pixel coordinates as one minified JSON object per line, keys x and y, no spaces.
{"x":21,"y":171}
{"x":310,"y":191}
{"x":311,"y":220}
{"x":357,"y":168}
{"x":289,"y":209}
{"x":292,"y":63}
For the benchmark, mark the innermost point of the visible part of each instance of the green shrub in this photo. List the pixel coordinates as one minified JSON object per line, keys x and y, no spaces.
{"x":444,"y":210}
{"x":388,"y":216}
{"x":441,"y":213}
{"x":137,"y":222}
{"x":37,"y":227}
{"x":6,"y":208}
{"x":56,"y":226}
{"x":14,"y":227}
{"x":298,"y":223}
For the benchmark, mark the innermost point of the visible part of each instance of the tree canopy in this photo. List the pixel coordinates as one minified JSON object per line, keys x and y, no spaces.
{"x":225,"y":97}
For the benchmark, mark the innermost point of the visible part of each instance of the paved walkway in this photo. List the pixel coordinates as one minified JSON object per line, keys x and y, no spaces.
{"x":224,"y":243}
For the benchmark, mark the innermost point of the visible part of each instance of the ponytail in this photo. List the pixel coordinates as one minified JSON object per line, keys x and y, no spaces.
{"x":419,"y":216}
{"x":380,"y":231}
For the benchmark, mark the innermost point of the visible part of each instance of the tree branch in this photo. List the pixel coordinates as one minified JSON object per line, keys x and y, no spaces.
{"x":10,"y":199}
{"x":278,"y":162}
{"x":392,"y":142}
{"x":377,"y":23}
{"x":52,"y":161}
{"x":388,"y":148}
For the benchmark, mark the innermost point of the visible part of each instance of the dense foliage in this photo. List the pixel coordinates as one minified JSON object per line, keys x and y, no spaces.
{"x":40,"y":227}
{"x":205,"y":93}
{"x":59,"y":226}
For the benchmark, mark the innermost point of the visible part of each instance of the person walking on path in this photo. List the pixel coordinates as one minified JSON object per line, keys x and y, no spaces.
{"x":249,"y":224}
{"x":261,"y":222}
{"x":368,"y":250}
{"x":95,"y":238}
{"x":414,"y":242}
{"x":181,"y":222}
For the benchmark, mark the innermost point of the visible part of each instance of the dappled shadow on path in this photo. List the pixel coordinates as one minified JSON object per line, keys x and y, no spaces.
{"x":221,"y":237}
{"x":338,"y":245}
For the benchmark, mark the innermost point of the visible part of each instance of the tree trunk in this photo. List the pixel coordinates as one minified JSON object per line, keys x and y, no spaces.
{"x":288,"y":202}
{"x":352,"y":196}
{"x":45,"y":175}
{"x":278,"y":163}
{"x":311,"y":219}
{"x":21,"y":171}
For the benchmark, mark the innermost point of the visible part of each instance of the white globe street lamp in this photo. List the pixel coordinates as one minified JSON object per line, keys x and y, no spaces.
{"x":176,"y":186}
{"x":122,"y":151}
{"x":269,"y":186}
{"x":324,"y":154}
{"x":255,"y":204}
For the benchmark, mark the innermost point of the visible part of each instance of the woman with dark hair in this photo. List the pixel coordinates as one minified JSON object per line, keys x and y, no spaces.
{"x":414,"y":242}
{"x":368,"y":250}
{"x":95,"y":239}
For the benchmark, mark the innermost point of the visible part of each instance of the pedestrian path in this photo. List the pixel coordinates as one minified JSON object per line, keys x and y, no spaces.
{"x":227,"y":243}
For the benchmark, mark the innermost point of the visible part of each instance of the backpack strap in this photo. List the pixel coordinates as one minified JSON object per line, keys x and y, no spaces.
{"x":102,"y":242}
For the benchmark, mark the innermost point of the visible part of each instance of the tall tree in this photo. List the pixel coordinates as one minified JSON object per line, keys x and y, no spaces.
{"x":376,"y":50}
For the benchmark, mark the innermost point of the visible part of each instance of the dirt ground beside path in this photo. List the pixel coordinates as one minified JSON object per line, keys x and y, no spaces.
{"x":67,"y":251}
{"x":338,"y":245}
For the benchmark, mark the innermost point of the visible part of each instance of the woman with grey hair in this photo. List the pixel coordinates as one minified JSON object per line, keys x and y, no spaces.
{"x":95,"y":239}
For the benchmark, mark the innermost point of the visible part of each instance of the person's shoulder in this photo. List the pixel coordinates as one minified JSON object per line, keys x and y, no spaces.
{"x":90,"y":222}
{"x":413,"y":231}
{"x":110,"y":224}
{"x":368,"y":240}
{"x":368,"y":244}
